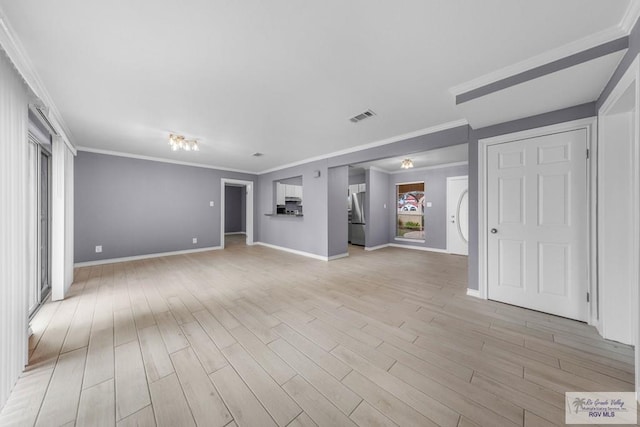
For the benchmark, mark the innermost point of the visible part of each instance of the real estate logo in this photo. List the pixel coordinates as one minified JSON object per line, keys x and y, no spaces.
{"x":601,"y":408}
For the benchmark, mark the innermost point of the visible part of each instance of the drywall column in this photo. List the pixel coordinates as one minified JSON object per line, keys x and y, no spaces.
{"x":338,"y":218}
{"x":377,"y":209}
{"x":61,"y":219}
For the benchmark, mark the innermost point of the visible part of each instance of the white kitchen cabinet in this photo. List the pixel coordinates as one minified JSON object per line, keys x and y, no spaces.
{"x":362,"y":187}
{"x":280,"y":193}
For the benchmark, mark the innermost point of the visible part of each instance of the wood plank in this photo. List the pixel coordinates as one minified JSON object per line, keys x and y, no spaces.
{"x":319,"y":409}
{"x":60,"y":403}
{"x":207,"y":352}
{"x":268,"y":360}
{"x":272,"y":397}
{"x":385,"y":402}
{"x":142,"y":418}
{"x":97,"y":406}
{"x":214,"y":329}
{"x":422,"y":403}
{"x":205,"y":402}
{"x":366,"y":415}
{"x":169,"y":404}
{"x":124,"y":326}
{"x":343,"y":398}
{"x":156,"y":359}
{"x":245,"y":408}
{"x":132,"y":392}
{"x":324,"y":359}
{"x":171,"y":333}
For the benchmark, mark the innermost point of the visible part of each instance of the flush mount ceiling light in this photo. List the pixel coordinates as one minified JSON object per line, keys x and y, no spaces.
{"x":179,"y":142}
{"x":406,"y":164}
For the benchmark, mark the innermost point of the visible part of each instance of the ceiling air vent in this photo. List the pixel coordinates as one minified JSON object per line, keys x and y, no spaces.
{"x":362,"y":116}
{"x":257,"y":154}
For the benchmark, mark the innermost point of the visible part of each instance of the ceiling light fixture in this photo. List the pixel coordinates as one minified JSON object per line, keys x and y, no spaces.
{"x":406,"y":164}
{"x":179,"y":142}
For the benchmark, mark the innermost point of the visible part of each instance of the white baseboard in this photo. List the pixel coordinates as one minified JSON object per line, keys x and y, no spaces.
{"x":234,"y":232}
{"x":418,"y":248}
{"x":344,"y":255}
{"x":473,"y":293}
{"x":293,"y":251}
{"x":147,"y":256}
{"x":375,"y":248}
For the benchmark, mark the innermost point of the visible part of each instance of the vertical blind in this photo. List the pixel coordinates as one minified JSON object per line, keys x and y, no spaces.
{"x":14,"y":226}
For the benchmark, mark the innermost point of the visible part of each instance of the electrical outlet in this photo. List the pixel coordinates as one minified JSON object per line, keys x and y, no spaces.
{"x":195,"y":240}
{"x":98,"y":249}
{"x":211,"y":203}
{"x":429,"y":204}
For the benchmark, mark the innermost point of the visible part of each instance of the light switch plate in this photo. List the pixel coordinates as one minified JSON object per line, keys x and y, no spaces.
{"x":429,"y":204}
{"x":211,"y":203}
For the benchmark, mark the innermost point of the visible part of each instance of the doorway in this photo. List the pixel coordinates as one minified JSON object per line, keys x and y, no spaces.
{"x":245,"y":187}
{"x":534,"y":219}
{"x":458,"y":215}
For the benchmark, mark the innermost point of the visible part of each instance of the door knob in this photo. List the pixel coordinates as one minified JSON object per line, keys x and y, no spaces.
{"x":494,"y":230}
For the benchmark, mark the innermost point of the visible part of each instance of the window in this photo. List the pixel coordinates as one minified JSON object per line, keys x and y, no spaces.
{"x":410,"y":211}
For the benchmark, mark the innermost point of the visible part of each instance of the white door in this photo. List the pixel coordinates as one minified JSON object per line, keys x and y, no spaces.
{"x":458,"y":215}
{"x":537,"y":220}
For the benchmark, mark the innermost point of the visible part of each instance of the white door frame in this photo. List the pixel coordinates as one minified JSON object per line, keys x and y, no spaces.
{"x":630,"y":77}
{"x":483,"y":144}
{"x":449,"y":179}
{"x":248,"y":185}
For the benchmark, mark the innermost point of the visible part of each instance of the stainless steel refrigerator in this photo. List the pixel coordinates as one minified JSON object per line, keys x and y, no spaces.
{"x":358,"y":222}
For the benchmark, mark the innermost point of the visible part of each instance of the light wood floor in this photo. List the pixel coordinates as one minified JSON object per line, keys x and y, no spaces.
{"x":255,"y":336}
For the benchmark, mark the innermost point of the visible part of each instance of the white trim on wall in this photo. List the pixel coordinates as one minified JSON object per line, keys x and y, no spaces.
{"x":589,"y":124}
{"x":248,"y":186}
{"x":295,"y":251}
{"x":418,"y":248}
{"x":146,"y":256}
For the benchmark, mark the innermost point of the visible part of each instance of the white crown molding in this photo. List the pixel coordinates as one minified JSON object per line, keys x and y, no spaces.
{"x":147,"y":256}
{"x":398,"y":138}
{"x":630,"y":17}
{"x":159,"y":159}
{"x":424,"y":168}
{"x":17,"y":54}
{"x":547,"y":57}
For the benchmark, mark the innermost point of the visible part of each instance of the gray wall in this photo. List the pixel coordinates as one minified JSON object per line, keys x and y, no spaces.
{"x":138,"y":207}
{"x":377,"y":215}
{"x":234,"y":209}
{"x":308,"y":233}
{"x":338,"y":218}
{"x":435,"y":217}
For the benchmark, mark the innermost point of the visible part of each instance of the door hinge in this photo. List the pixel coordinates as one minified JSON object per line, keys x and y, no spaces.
{"x":588,"y":153}
{"x":588,"y":297}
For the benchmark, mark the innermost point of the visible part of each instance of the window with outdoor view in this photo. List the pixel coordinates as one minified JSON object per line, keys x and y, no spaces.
{"x":410,"y":211}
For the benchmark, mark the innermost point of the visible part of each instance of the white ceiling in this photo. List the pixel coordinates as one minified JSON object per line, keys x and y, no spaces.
{"x":440,"y":156}
{"x":278,"y":77}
